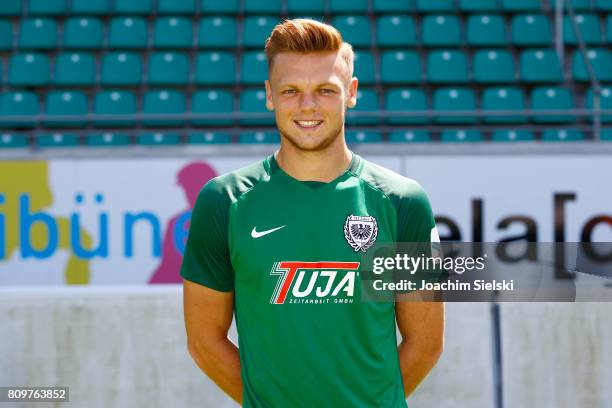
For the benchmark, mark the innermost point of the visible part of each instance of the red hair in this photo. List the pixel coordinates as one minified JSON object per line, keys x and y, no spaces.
{"x":303,"y":36}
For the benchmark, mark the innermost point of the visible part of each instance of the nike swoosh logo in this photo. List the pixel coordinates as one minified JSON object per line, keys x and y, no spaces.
{"x":256,"y":234}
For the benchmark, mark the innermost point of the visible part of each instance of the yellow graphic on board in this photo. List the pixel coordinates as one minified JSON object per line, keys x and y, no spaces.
{"x":32,"y":178}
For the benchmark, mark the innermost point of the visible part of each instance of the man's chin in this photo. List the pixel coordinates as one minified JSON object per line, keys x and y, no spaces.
{"x":309,"y":143}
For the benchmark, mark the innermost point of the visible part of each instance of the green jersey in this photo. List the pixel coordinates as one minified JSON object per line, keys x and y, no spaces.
{"x":290,"y":251}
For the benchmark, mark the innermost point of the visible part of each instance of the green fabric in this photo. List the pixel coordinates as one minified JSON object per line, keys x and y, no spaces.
{"x":301,"y":348}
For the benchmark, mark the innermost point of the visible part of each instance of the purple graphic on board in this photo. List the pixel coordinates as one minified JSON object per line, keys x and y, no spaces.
{"x":191,"y":178}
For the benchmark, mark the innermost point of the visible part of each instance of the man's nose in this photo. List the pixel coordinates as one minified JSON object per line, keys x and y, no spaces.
{"x":308,"y":101}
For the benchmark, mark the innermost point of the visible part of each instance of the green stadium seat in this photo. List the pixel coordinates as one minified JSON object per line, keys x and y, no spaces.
{"x":392,"y":31}
{"x":20,"y":104}
{"x":360,"y":136}
{"x":173,"y":32}
{"x":262,"y":6}
{"x":577,"y":5}
{"x":163,"y":102}
{"x":606,"y":135}
{"x":209,"y":138}
{"x":218,"y":32}
{"x":409,"y":136}
{"x":115,"y":102}
{"x":6,"y":35}
{"x":29,"y":69}
{"x":605,"y":5}
{"x":83,"y":33}
{"x":317,"y":17}
{"x":354,"y":29}
{"x":441,"y":30}
{"x":431,"y":6}
{"x":364,"y":67}
{"x":75,"y":69}
{"x":478,"y":5}
{"x":215,"y":68}
{"x":158,"y":139}
{"x":507,"y":99}
{"x":64,"y":103}
{"x":601,"y":63}
{"x":133,"y":6}
{"x":212,"y":101}
{"x":400,"y":67}
{"x":348,"y":6}
{"x":609,"y":24}
{"x":220,"y":7}
{"x":86,"y":7}
{"x":531,"y":30}
{"x":10,"y":7}
{"x":168,"y":68}
{"x":37,"y":33}
{"x":486,"y":30}
{"x":57,"y":139}
{"x":259,"y":137}
{"x":393,"y":6}
{"x":493,"y":66}
{"x":521,"y":5}
{"x":449,"y":99}
{"x":127,"y":32}
{"x":367,"y":101}
{"x":176,"y":6}
{"x":406,"y":100}
{"x":589,"y":27}
{"x":562,"y":135}
{"x":254,"y":68}
{"x":13,"y":140}
{"x":254,"y":101}
{"x":47,"y":7}
{"x":257,"y":29}
{"x":505,"y":135}
{"x":107,"y":139}
{"x":447,"y":67}
{"x":552,"y":98}
{"x":605,"y":101}
{"x":121,"y":68}
{"x":306,"y":6}
{"x":461,"y":136}
{"x":541,"y":65}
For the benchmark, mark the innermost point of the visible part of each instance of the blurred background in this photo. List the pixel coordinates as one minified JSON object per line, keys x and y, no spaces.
{"x":114,"y":114}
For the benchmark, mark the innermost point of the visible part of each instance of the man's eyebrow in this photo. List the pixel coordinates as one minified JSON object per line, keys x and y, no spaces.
{"x":291,"y":85}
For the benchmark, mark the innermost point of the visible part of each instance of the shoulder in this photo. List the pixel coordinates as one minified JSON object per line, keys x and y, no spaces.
{"x":395,"y":186}
{"x":226,"y":188}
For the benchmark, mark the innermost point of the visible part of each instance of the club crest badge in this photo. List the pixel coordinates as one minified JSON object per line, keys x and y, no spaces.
{"x":360,"y":232}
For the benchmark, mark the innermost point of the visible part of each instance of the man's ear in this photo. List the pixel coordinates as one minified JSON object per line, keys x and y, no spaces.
{"x":352,"y":93}
{"x":269,"y":103}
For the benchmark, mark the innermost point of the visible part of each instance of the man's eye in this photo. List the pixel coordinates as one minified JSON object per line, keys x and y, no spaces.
{"x":289,"y":91}
{"x":327,"y":91}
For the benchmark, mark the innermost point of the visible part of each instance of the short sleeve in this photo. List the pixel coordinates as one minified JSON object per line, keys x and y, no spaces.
{"x":207,"y":259}
{"x":416,"y":225}
{"x":415,"y":219}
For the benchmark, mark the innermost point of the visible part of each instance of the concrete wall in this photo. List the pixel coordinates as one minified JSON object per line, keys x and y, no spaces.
{"x":127,"y":348}
{"x":557,"y":355}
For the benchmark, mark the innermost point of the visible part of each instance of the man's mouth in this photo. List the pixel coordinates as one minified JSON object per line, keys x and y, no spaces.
{"x":308,"y":124}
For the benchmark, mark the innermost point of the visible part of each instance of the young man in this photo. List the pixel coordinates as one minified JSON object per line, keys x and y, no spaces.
{"x":279,"y":243}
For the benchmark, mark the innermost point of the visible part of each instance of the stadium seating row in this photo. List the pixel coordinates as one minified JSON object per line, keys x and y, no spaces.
{"x":107,"y":139}
{"x":220,"y":68}
{"x":57,"y":7}
{"x":222,"y":32}
{"x":25,"y":105}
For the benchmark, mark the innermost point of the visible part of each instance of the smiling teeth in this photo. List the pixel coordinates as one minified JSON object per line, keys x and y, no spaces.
{"x":308,"y":123}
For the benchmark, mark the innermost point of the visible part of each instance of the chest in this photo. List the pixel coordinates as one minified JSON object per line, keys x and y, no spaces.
{"x":286,"y":243}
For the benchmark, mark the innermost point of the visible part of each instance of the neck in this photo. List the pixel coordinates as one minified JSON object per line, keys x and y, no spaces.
{"x":323,"y":165}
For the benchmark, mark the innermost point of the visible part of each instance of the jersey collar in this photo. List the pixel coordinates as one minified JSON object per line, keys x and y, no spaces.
{"x":355,"y":166}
